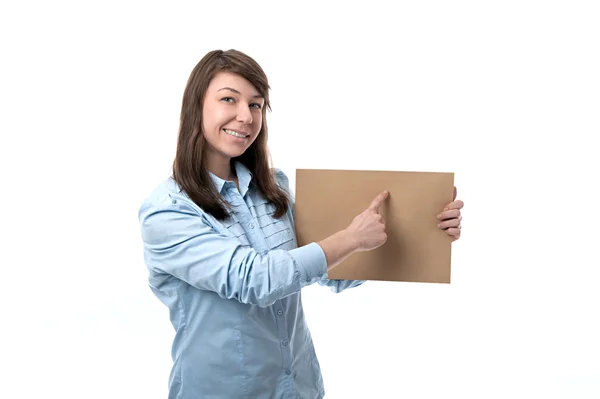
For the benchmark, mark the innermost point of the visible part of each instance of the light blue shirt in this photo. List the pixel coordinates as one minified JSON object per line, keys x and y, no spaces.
{"x":233,"y":292}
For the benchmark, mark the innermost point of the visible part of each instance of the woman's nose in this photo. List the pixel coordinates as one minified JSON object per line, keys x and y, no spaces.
{"x":244,"y":114}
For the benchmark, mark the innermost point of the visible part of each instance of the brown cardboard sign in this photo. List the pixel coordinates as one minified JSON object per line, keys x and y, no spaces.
{"x":416,"y":249}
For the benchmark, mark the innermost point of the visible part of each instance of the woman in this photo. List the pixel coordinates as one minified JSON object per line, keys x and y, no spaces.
{"x":221,"y":251}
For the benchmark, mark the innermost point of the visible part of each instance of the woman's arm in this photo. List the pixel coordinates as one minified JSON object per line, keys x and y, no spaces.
{"x":178,"y":242}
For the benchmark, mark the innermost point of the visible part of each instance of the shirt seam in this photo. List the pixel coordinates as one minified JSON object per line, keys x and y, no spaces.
{"x":242,"y":357}
{"x":184,"y":327}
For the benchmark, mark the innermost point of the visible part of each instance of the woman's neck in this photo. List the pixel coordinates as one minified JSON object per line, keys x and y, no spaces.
{"x":221,"y":168}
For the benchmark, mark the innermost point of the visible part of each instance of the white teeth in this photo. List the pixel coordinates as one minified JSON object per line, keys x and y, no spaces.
{"x":234,"y":134}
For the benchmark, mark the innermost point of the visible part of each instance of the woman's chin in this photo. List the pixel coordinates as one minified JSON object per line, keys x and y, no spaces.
{"x":234,"y":153}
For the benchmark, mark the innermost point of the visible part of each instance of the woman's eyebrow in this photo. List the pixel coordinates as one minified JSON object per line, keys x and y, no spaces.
{"x":237,"y":92}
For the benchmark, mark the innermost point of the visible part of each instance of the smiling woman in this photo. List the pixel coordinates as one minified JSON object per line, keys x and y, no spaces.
{"x":233,"y":120}
{"x":227,"y":96}
{"x":221,"y":251}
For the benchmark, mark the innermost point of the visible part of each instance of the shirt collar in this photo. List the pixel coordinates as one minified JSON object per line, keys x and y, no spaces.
{"x":244,"y":179}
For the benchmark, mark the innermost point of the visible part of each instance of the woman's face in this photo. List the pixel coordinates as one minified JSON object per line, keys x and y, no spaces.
{"x":231,"y":116}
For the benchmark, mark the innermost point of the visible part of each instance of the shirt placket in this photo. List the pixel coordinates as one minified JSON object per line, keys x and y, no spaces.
{"x":248,"y":223}
{"x":284,"y":341}
{"x":257,"y":240}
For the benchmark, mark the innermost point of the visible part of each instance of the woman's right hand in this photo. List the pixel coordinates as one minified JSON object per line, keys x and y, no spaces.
{"x":368,"y":228}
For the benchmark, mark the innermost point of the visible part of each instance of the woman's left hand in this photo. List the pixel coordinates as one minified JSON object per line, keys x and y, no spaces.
{"x":450,"y":218}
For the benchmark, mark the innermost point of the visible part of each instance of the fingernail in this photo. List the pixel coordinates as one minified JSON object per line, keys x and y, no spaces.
{"x":439,"y":225}
{"x":439,"y":216}
{"x":445,"y":209}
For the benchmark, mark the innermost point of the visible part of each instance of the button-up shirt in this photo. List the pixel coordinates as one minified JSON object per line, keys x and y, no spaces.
{"x":233,"y":291}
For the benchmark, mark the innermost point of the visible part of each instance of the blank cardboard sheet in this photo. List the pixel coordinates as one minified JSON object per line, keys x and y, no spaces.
{"x":416,"y":249}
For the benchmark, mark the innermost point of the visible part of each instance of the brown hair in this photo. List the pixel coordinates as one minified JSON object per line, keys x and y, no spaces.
{"x":189,"y":167}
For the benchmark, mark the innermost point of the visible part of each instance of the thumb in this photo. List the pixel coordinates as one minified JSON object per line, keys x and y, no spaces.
{"x":454,"y":195}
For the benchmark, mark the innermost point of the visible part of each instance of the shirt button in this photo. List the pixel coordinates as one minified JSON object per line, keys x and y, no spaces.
{"x":320,"y":274}
{"x":285,"y":343}
{"x":251,"y":225}
{"x":279,"y":312}
{"x":288,"y":371}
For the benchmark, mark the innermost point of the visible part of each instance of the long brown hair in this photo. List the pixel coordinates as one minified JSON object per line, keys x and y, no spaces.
{"x":189,"y":167}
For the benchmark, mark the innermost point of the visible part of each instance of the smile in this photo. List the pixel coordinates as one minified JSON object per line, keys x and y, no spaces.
{"x":236,"y":134}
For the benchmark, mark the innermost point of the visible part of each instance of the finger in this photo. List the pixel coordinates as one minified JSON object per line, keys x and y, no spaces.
{"x":454,"y":232}
{"x":449,"y":223}
{"x":454,"y":194}
{"x":455,"y":205}
{"x":451,"y":214}
{"x":376,"y":204}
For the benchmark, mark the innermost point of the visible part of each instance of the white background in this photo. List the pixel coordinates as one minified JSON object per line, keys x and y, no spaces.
{"x":504,"y":94}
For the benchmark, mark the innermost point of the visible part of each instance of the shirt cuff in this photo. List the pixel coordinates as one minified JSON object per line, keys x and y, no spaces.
{"x":310,"y":262}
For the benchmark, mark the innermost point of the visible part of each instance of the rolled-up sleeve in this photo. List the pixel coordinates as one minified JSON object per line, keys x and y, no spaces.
{"x":340,"y":285}
{"x":178,"y":242}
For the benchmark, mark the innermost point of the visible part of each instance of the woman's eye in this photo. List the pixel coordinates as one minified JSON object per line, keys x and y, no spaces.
{"x":228,"y":99}
{"x":256,"y":105}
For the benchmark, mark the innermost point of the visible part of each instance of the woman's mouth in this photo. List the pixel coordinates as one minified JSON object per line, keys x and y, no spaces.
{"x":236,"y":134}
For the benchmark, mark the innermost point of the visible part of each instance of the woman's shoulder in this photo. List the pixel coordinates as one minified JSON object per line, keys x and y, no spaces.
{"x":281,"y":178}
{"x":166,"y":195}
